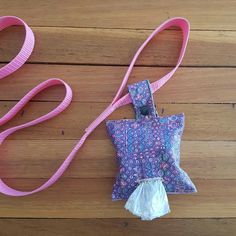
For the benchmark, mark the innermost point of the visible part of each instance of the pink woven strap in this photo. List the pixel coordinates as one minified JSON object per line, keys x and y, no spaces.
{"x":26,"y":49}
{"x":184,"y":25}
{"x":20,"y":59}
{"x":9,"y":68}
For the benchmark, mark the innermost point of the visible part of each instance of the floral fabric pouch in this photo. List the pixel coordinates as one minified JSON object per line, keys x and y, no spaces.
{"x":148,"y":156}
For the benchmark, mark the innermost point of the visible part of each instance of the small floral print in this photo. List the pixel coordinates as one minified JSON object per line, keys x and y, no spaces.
{"x":148,"y":147}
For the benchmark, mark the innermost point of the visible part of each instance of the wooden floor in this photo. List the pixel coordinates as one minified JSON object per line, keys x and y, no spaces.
{"x":89,"y":44}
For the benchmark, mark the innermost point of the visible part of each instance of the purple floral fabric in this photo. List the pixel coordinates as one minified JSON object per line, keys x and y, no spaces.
{"x":148,"y":146}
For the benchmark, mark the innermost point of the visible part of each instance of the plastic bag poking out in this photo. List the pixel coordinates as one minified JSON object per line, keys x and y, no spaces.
{"x":149,"y":200}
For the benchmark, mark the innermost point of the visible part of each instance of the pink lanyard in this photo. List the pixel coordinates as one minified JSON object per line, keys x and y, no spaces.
{"x":22,"y":57}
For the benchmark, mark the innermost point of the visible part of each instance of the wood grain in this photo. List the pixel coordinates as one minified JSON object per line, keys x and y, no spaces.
{"x":100,"y":83}
{"x":117,"y":46}
{"x":213,"y":14}
{"x":126,"y":227}
{"x":202,"y":121}
{"x":91,"y":198}
{"x":89,"y":44}
{"x":40,"y":158}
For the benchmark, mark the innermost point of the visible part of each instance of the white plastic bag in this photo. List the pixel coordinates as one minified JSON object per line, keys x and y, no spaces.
{"x":149,"y":200}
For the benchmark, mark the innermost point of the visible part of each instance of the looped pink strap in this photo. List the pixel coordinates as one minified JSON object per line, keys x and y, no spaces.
{"x":9,"y":68}
{"x":21,"y":58}
{"x":26,"y":49}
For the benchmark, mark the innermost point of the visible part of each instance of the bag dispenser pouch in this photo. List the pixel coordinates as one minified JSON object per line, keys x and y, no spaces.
{"x":148,"y":153}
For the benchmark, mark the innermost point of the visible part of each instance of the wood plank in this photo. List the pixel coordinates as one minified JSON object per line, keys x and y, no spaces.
{"x":123,"y":14}
{"x":203,"y":121}
{"x":126,"y":227}
{"x":100,"y":83}
{"x":79,"y":33}
{"x":117,"y":47}
{"x":91,"y":198}
{"x":40,"y":158}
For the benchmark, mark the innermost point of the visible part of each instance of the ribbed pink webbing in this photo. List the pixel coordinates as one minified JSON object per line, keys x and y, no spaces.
{"x":117,"y":101}
{"x":9,"y":68}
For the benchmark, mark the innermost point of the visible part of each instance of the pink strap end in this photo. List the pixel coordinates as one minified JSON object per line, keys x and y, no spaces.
{"x":181,"y":23}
